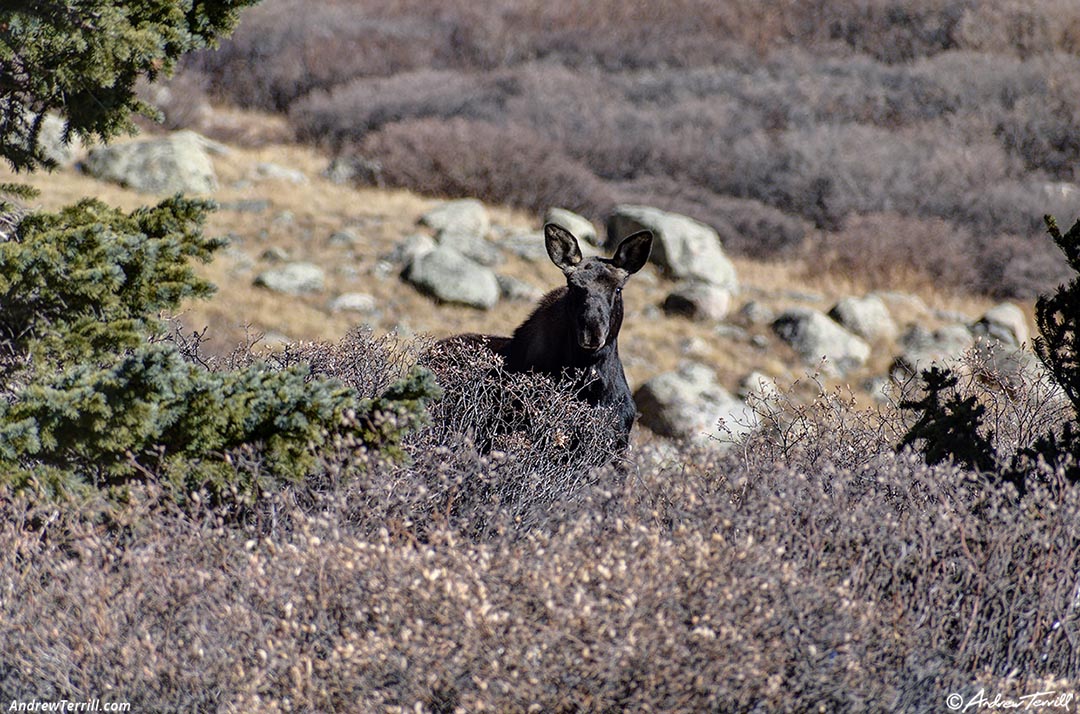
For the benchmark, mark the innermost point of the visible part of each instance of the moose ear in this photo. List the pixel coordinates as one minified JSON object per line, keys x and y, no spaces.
{"x":633,"y":252}
{"x":562,"y":247}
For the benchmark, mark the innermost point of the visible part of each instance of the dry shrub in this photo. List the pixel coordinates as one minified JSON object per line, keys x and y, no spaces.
{"x":1018,"y":267}
{"x":1026,"y":27}
{"x":900,"y":252}
{"x":1029,"y":105}
{"x":497,"y":163}
{"x":895,"y":251}
{"x":808,"y":568}
{"x":698,"y":583}
{"x":352,"y":110}
{"x":284,"y":49}
{"x":366,"y":363}
{"x":889,"y":30}
{"x":518,"y":443}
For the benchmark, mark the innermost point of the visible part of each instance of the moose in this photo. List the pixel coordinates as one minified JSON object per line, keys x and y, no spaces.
{"x":573,"y":332}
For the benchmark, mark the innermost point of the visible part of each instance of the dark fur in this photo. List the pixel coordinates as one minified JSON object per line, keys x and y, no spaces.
{"x":588,"y":310}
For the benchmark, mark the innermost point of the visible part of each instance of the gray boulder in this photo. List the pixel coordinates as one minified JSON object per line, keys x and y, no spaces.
{"x":759,"y":386}
{"x":472,"y":245}
{"x":353,"y":302}
{"x":683,"y":247}
{"x":346,"y":237}
{"x":698,"y":301}
{"x":449,"y":276}
{"x":268,"y":171}
{"x":867,"y":317}
{"x":293,"y":279}
{"x":529,"y":246}
{"x":410,"y":248}
{"x":1004,"y":323}
{"x":922,"y":348}
{"x":466,"y":215}
{"x":177,"y":163}
{"x":813,"y":335}
{"x":512,"y":288}
{"x":580,"y":226}
{"x":51,"y":141}
{"x":274,"y":254}
{"x":689,"y":404}
{"x":755,"y":313}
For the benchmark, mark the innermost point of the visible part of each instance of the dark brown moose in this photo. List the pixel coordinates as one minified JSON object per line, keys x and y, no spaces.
{"x":574,"y":330}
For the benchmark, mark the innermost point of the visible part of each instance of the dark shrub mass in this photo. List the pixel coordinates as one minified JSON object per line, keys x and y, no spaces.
{"x":494,"y":162}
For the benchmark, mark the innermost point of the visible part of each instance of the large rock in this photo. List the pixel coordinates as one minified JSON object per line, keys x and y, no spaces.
{"x":529,"y":246}
{"x":683,"y":247}
{"x":178,"y":163}
{"x":354,"y":302}
{"x":51,"y":141}
{"x":689,"y":404}
{"x":1004,"y":323}
{"x":512,"y":288}
{"x":472,"y":245}
{"x":449,"y":276}
{"x":581,"y":227}
{"x":813,"y":335}
{"x":466,"y":215}
{"x":922,"y":348}
{"x":698,"y":301}
{"x":410,"y":248}
{"x":867,"y":317}
{"x":293,"y":279}
{"x":268,"y":171}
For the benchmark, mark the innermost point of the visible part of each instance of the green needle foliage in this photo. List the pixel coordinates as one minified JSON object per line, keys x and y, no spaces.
{"x":90,"y":397}
{"x":93,"y":402}
{"x":1058,"y":318}
{"x":90,"y":280}
{"x":949,"y":427}
{"x":82,"y":59}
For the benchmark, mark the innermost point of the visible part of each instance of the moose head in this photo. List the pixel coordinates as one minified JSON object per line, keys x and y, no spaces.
{"x":594,"y":285}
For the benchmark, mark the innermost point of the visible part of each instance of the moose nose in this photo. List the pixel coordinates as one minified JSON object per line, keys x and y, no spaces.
{"x":591,"y":341}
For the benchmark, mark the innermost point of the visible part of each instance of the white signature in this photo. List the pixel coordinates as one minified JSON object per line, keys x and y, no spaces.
{"x":1038,"y":700}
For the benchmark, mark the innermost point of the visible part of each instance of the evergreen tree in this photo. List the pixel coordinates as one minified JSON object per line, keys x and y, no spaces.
{"x":1058,"y":319}
{"x":949,"y":427}
{"x":81,"y":59}
{"x":89,"y":398}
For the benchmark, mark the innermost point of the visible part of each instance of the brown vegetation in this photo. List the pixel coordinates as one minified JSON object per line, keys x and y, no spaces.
{"x":819,"y":112}
{"x":811,"y":568}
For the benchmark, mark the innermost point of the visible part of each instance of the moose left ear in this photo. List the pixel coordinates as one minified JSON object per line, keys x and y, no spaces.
{"x":633,"y":252}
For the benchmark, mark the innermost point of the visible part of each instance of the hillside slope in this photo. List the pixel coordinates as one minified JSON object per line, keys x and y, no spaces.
{"x":276,"y":206}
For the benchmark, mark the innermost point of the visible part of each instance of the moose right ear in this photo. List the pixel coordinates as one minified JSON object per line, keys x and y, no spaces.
{"x":633,"y":252}
{"x":562,"y":247}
